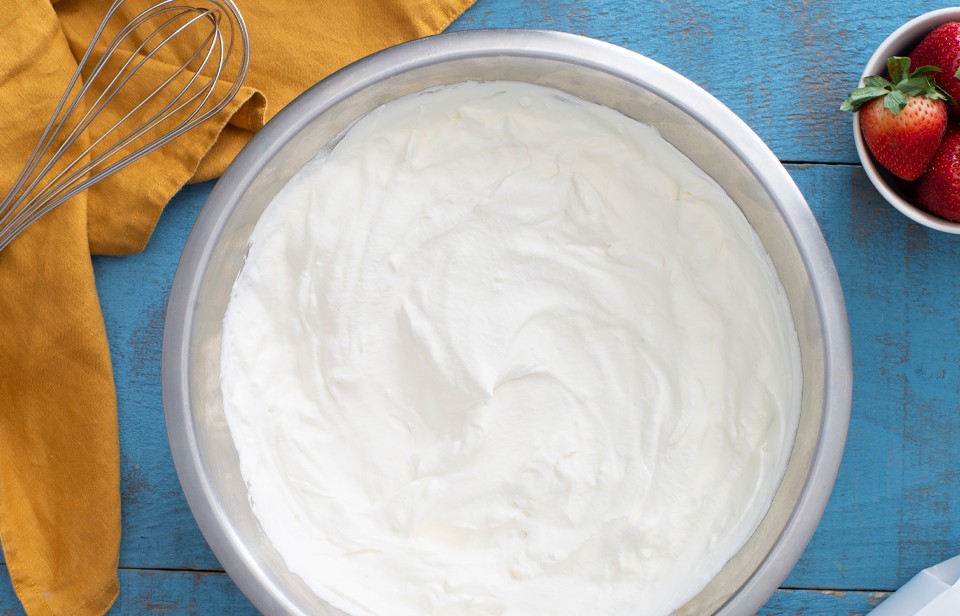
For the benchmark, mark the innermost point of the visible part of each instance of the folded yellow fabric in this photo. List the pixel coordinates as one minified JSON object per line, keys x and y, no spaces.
{"x":59,"y":451}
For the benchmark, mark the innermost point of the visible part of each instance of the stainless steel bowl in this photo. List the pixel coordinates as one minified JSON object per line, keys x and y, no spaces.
{"x":687,"y":116}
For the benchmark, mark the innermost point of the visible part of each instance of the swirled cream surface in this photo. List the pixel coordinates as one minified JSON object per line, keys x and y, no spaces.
{"x":502,"y":351}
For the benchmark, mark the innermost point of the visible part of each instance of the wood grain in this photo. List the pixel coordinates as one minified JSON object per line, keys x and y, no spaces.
{"x":184,"y":593}
{"x":783,"y":67}
{"x":895,"y":507}
{"x":158,"y":529}
{"x":173,"y":593}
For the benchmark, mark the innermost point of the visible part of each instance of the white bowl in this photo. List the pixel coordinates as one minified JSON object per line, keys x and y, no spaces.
{"x":901,"y":43}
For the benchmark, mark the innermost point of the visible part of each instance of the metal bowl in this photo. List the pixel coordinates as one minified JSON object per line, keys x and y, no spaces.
{"x":687,"y":116}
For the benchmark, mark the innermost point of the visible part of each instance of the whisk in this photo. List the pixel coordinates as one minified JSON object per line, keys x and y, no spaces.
{"x":197,"y":54}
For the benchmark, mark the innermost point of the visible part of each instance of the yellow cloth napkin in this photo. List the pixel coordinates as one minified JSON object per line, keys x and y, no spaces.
{"x":59,"y":451}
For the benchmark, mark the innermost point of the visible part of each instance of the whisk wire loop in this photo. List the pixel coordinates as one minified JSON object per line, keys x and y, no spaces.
{"x":103,"y":99}
{"x":190,"y":91}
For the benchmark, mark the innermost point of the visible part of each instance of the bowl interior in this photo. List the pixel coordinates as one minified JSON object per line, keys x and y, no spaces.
{"x":200,"y":440}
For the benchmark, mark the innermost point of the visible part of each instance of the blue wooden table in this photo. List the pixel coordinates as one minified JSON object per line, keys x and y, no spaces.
{"x":784,"y":68}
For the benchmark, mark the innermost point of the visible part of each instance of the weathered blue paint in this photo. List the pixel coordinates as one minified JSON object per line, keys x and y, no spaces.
{"x":784,"y":67}
{"x":158,"y":530}
{"x":896,"y":507}
{"x":822,"y":603}
{"x":170,"y":593}
{"x":186,"y":593}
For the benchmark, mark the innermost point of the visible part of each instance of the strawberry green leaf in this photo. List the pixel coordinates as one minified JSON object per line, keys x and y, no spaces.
{"x":939,"y":94}
{"x":876,"y":81}
{"x":898,"y":66}
{"x":895,"y":101}
{"x":862,"y":96}
{"x":869,"y":93}
{"x":923,"y":70}
{"x":919,"y":85}
{"x":902,"y":85}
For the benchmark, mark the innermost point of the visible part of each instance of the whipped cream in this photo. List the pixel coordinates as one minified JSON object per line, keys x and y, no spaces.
{"x":503,"y":351}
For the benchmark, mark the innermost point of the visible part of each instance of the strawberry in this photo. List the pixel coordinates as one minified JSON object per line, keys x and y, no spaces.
{"x":941,"y":48}
{"x":939,"y":188}
{"x":902,"y":120}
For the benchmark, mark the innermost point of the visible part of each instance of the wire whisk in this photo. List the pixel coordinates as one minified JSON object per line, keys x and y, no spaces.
{"x":156,"y":76}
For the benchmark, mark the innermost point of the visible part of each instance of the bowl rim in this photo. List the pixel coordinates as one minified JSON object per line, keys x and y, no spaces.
{"x":910,"y":32}
{"x":587,"y":52}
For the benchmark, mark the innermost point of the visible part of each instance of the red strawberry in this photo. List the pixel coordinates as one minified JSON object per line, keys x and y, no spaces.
{"x":904,"y":142}
{"x":902,"y":120}
{"x":939,"y":189}
{"x":941,"y":48}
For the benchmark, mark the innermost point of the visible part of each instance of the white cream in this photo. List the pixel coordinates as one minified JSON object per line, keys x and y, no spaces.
{"x":501,"y":351}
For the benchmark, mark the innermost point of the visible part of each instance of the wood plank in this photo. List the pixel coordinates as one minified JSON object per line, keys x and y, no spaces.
{"x":133,"y":295}
{"x":821,"y":603}
{"x":158,"y":529}
{"x":173,"y":593}
{"x":784,"y":67}
{"x":896,"y":508}
{"x":176,"y":593}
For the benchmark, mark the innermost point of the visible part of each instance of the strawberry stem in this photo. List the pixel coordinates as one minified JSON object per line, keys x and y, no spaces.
{"x":897,"y":90}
